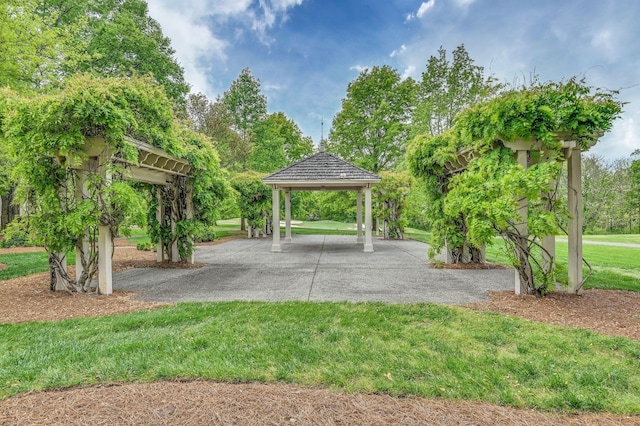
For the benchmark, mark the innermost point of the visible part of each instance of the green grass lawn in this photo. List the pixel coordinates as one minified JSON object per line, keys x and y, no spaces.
{"x":21,"y":264}
{"x":422,"y":349}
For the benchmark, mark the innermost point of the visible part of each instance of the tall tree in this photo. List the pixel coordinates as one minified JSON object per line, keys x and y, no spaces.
{"x":446,"y":88}
{"x":278,"y":142}
{"x":246,"y":104}
{"x":371,"y":129}
{"x":634,"y":193}
{"x":116,"y":38}
{"x":214,"y":120}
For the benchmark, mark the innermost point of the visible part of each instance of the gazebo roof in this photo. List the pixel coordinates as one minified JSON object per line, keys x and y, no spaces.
{"x":322,"y":171}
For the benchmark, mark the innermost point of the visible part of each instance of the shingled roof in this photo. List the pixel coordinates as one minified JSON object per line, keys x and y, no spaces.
{"x":322,"y":171}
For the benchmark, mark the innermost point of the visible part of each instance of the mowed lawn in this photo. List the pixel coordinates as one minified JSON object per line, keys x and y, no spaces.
{"x":412,"y":349}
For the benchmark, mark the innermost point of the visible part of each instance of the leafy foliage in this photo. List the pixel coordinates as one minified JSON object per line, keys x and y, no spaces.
{"x":469,"y":208}
{"x":390,"y":197}
{"x":246,"y":104}
{"x":254,"y":199}
{"x":278,"y":142}
{"x":371,"y":129}
{"x":446,"y":88}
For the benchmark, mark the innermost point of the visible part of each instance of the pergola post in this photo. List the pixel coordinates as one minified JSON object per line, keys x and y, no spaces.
{"x":287,"y":217}
{"x":105,"y":275}
{"x":523,"y":211}
{"x":159,"y":218}
{"x":192,"y":258}
{"x":574,"y":171}
{"x":549,"y":241}
{"x":368,"y":242}
{"x":81,"y":191}
{"x":359,"y":239}
{"x":105,"y":242}
{"x":275,"y":247}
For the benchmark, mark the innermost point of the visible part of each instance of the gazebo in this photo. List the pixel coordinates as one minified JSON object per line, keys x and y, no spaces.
{"x":322,"y":172}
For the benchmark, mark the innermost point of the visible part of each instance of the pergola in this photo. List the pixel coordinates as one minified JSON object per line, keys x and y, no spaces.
{"x":322,"y":172}
{"x":154,"y":166}
{"x":572,"y":154}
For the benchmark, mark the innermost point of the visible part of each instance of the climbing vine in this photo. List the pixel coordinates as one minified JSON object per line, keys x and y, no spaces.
{"x":47,"y":134}
{"x":475,"y":183}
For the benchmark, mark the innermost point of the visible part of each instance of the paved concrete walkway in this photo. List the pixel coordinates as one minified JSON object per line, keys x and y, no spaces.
{"x":315,"y":268}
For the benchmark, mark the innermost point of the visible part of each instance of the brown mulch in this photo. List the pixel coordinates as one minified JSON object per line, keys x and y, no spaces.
{"x":23,"y":299}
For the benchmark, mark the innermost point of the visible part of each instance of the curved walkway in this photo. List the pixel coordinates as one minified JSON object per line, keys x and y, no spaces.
{"x":315,"y":268}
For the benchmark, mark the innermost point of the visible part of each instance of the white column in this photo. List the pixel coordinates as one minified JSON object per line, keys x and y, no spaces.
{"x":359,"y":238}
{"x":574,"y":171}
{"x":105,"y":248}
{"x":523,"y":211}
{"x":287,"y":217}
{"x":275,"y":247}
{"x":368,"y":242}
{"x":159,"y":214}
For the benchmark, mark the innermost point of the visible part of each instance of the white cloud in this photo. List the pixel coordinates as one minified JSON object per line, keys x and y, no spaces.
{"x":191,"y":26}
{"x":424,"y":8}
{"x":358,"y":68}
{"x":398,"y":51}
{"x":409,"y":72}
{"x":464,"y":3}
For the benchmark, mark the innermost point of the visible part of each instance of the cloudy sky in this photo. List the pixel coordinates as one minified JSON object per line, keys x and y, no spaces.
{"x":305,"y":52}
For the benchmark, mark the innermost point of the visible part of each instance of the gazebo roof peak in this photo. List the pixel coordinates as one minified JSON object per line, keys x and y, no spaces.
{"x":323,"y":170}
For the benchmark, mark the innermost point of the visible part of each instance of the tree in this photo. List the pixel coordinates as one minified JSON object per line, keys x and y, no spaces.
{"x":117,"y":38}
{"x":254,"y":200}
{"x":634,"y":193}
{"x":446,"y":88}
{"x":390,"y":196}
{"x":31,"y":46}
{"x":277,"y":143}
{"x":246,"y":104}
{"x":215,"y":121}
{"x":371,"y":129}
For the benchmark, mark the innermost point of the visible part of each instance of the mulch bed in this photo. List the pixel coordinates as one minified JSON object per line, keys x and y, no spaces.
{"x":23,"y":299}
{"x":204,"y":403}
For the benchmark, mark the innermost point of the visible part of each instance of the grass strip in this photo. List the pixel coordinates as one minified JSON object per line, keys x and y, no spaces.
{"x":422,"y":349}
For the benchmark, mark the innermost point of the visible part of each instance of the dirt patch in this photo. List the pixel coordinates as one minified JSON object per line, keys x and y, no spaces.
{"x":2,"y":266}
{"x":201,"y":402}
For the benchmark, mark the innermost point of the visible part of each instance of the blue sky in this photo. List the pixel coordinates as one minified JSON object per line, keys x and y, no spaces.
{"x":305,"y":52}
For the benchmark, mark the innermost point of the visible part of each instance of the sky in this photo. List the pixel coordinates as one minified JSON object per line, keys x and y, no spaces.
{"x":306,"y":52}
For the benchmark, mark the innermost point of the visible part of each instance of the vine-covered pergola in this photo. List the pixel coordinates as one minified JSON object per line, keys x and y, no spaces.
{"x":75,"y":151}
{"x":153,"y":166}
{"x":496,"y":172}
{"x":322,"y":172}
{"x":527,"y":153}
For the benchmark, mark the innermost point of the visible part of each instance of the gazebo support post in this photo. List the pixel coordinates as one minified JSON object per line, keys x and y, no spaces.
{"x":574,"y":169}
{"x":275,"y":247}
{"x":287,"y":217}
{"x":359,"y":239}
{"x":368,"y":242}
